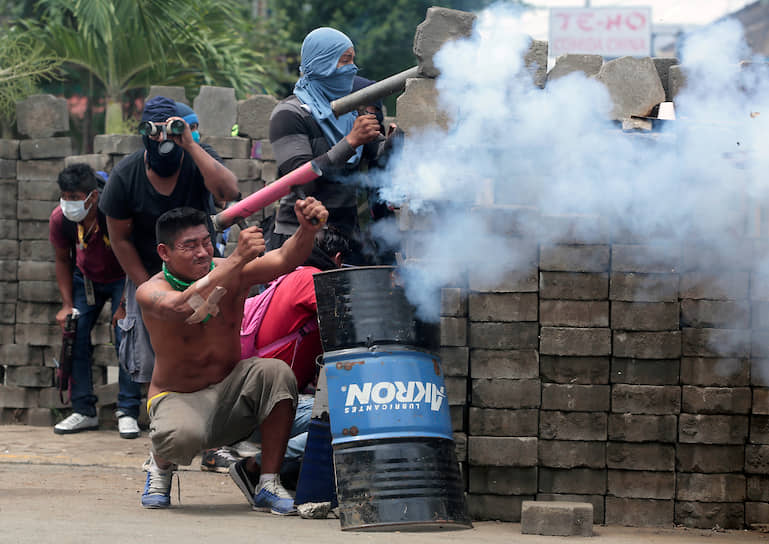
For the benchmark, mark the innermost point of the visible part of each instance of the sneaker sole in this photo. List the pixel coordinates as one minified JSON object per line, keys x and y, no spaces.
{"x":129,"y":435}
{"x":221,"y":470}
{"x":235,"y":477}
{"x":276,"y":512}
{"x":74,"y":431}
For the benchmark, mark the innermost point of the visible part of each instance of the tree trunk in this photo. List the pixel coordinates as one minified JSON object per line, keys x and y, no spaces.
{"x":113,"y":116}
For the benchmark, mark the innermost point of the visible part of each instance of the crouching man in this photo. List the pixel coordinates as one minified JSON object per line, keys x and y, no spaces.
{"x":202,"y":395}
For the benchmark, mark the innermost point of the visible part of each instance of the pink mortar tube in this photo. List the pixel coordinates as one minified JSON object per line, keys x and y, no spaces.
{"x":267,"y":195}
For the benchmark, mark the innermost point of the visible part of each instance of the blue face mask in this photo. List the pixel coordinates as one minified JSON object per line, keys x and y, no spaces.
{"x":339,"y":83}
{"x":196,"y":136}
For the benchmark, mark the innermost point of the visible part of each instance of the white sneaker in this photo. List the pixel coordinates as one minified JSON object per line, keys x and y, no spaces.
{"x":76,"y":423}
{"x":246,"y":448}
{"x":128,"y":427}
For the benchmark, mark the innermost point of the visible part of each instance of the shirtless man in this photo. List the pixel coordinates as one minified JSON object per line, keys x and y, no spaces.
{"x":201,"y":394}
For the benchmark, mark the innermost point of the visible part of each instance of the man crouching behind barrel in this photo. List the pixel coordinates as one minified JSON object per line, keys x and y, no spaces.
{"x":202,"y":395}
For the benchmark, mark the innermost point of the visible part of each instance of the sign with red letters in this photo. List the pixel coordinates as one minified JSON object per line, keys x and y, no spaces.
{"x":606,"y":31}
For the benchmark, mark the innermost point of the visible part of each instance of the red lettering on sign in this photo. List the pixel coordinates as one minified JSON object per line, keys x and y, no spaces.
{"x":635,"y":20}
{"x":613,"y":21}
{"x":564,"y":20}
{"x":585,"y":21}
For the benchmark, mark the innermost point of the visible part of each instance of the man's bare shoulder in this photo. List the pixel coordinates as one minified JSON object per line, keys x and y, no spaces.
{"x":152,"y":290}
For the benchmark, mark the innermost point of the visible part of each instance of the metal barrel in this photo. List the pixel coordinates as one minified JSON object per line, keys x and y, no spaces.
{"x":368,"y":95}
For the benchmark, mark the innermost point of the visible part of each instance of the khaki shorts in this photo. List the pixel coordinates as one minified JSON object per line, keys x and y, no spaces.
{"x":184,"y":424}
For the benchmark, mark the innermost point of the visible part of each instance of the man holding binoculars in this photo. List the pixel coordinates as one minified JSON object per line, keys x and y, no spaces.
{"x":172,"y":171}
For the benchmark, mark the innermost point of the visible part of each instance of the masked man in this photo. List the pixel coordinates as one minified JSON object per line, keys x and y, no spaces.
{"x":172,"y":171}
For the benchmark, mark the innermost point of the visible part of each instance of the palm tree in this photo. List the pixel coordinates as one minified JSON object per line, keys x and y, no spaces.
{"x":130,"y":44}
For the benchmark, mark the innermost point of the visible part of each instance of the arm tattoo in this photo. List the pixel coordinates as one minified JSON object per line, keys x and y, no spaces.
{"x":157,"y":296}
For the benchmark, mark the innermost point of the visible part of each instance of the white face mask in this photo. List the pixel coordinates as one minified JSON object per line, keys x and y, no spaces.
{"x":74,"y":210}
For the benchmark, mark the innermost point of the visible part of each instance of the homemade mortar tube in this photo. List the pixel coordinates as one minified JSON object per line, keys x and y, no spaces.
{"x":374,"y":92}
{"x":267,"y":195}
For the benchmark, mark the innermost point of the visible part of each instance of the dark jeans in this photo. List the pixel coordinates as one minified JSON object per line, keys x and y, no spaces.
{"x":83,"y":399}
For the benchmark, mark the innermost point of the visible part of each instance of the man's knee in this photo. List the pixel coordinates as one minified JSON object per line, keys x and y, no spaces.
{"x":275,"y":373}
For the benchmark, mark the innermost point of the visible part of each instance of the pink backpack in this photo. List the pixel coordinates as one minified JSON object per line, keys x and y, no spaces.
{"x":253,"y":315}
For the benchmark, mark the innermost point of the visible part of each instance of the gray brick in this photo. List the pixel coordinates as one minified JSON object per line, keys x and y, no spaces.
{"x":572,"y":454}
{"x":712,"y":429}
{"x":637,"y":456}
{"x":633,"y":287}
{"x":9,"y":149}
{"x":229,"y":147}
{"x":758,"y":488}
{"x":9,"y":291}
{"x":17,"y":397}
{"x":635,"y":484}
{"x":575,"y":398}
{"x":759,"y":315}
{"x":262,"y":150}
{"x":642,"y":428}
{"x":500,"y":451}
{"x":647,"y":345}
{"x":596,"y":500}
{"x":7,"y":313}
{"x":36,"y":270}
{"x":759,"y":429}
{"x":457,"y":417}
{"x":244,"y":168}
{"x":757,"y":459}
{"x":575,"y":341}
{"x":716,"y":400}
{"x":715,"y":371}
{"x":516,"y":281}
{"x":503,"y":335}
{"x":573,"y":286}
{"x":517,"y":364}
{"x":50,"y":398}
{"x":453,"y":331}
{"x":46,"y":148}
{"x":644,"y":316}
{"x":557,"y":518}
{"x":575,"y":480}
{"x":33,"y":230}
{"x":456,"y":390}
{"x":35,"y":210}
{"x":646,"y":399}
{"x":495,"y":507}
{"x":8,"y":270}
{"x":503,"y":480}
{"x":9,"y":228}
{"x":455,"y":360}
{"x":42,"y":115}
{"x":47,"y":191}
{"x":9,"y":190}
{"x":40,"y":170}
{"x":639,"y":512}
{"x":37,"y":335}
{"x":269,"y":171}
{"x":38,"y":291}
{"x":574,"y":313}
{"x":710,"y":487}
{"x":96,"y":161}
{"x":492,"y":422}
{"x":645,"y":371}
{"x":756,"y":513}
{"x":759,"y":350}
{"x":7,"y":334}
{"x":574,"y":370}
{"x":723,"y":314}
{"x":502,"y":307}
{"x":716,"y":342}
{"x":572,"y":425}
{"x":505,"y":393}
{"x":644,"y":258}
{"x":574,"y":258}
{"x":37,"y":312}
{"x":29,"y":376}
{"x":117,"y":144}
{"x":9,"y":249}
{"x":709,"y":458}
{"x":453,"y":302}
{"x":35,"y":250}
{"x":20,"y":355}
{"x":725,"y":285}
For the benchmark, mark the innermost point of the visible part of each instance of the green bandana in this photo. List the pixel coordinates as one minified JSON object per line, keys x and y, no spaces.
{"x":181,"y":285}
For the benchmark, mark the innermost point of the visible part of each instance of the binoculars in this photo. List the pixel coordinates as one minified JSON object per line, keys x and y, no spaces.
{"x":148,"y":128}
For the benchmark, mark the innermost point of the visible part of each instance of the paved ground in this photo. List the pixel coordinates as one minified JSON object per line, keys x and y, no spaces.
{"x":85,"y":488}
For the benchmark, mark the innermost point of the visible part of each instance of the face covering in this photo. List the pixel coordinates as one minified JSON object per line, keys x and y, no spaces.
{"x":74,"y":210}
{"x":196,"y":136}
{"x":164,"y":164}
{"x":339,"y":83}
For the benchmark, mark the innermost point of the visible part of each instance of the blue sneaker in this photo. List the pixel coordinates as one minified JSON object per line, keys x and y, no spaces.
{"x":157,"y":489}
{"x":273,"y":497}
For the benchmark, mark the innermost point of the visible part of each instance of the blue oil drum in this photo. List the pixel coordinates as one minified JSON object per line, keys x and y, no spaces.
{"x":386,"y":392}
{"x":394,"y":456}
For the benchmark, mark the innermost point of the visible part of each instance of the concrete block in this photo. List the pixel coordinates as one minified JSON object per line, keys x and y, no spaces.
{"x":574,"y":480}
{"x":576,"y":228}
{"x":38,"y":291}
{"x":760,"y":401}
{"x":758,"y":488}
{"x":503,"y":480}
{"x":757,"y":459}
{"x":627,"y":427}
{"x":714,"y":371}
{"x":495,"y":507}
{"x":492,"y":422}
{"x":33,"y":230}
{"x":676,"y":81}
{"x":8,"y":168}
{"x":441,"y":25}
{"x":505,"y":393}
{"x":663,"y":65}
{"x":645,"y":371}
{"x":503,"y":307}
{"x":7,"y":335}
{"x":639,"y":512}
{"x":644,"y":316}
{"x":591,"y":426}
{"x":244,"y":168}
{"x":716,"y":342}
{"x":716,"y":400}
{"x":455,"y":360}
{"x":589,"y":65}
{"x":36,"y":270}
{"x":175,"y":93}
{"x":516,"y":364}
{"x":229,"y":147}
{"x":39,"y":170}
{"x":42,"y":116}
{"x":269,"y":171}
{"x":456,"y":390}
{"x":759,"y":351}
{"x":575,"y":341}
{"x":453,"y":331}
{"x":558,"y":518}
{"x":35,"y":210}
{"x":633,"y":84}
{"x":40,"y":417}
{"x":8,"y":269}
{"x":419,"y":109}
{"x":43,"y":313}
{"x":7,"y":313}
{"x":756,"y":514}
{"x":37,"y":335}
{"x":254,"y":116}
{"x":262,"y":150}
{"x":498,"y":451}
{"x":96,"y":161}
{"x":712,"y":429}
{"x":575,"y":398}
{"x":647,"y":345}
{"x":574,"y":258}
{"x":453,"y":302}
{"x":649,"y":259}
{"x":634,"y":287}
{"x":28,"y":376}
{"x":17,"y":397}
{"x":9,"y":149}
{"x":20,"y":355}
{"x":636,"y":484}
{"x":117,"y":144}
{"x":637,"y":456}
{"x":9,"y":291}
{"x":535,"y":60}
{"x":490,"y":335}
{"x":722,"y":314}
{"x":759,"y":429}
{"x":710,"y":487}
{"x":573,"y":286}
{"x":574,"y":370}
{"x":571,"y":454}
{"x":646,"y":399}
{"x":217,"y":110}
{"x":710,"y":458}
{"x":723,"y":285}
{"x":46,"y":148}
{"x":574,"y":313}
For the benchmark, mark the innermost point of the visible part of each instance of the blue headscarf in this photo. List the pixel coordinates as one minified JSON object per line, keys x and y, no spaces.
{"x":186,"y":113}
{"x":321,"y":82}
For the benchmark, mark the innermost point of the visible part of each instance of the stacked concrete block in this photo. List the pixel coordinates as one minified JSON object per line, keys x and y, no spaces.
{"x":716,"y":398}
{"x":217,"y":110}
{"x":575,"y":344}
{"x":9,"y":241}
{"x":646,"y":397}
{"x":633,"y":84}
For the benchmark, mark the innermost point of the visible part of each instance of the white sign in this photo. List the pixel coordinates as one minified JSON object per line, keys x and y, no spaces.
{"x":606,"y":31}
